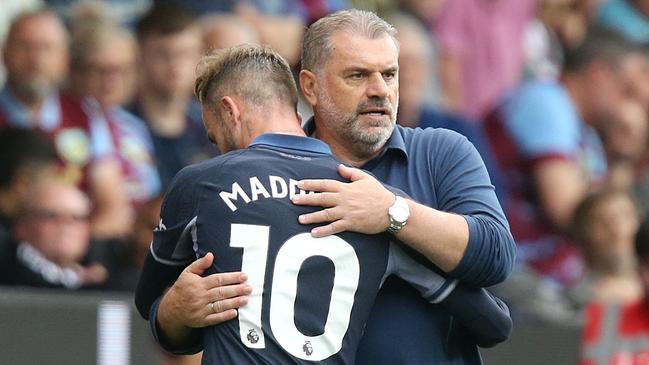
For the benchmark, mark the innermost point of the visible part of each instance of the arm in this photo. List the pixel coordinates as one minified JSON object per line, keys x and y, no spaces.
{"x":355,"y":207}
{"x":192,"y":302}
{"x":543,"y":123}
{"x":560,"y":185}
{"x":485,"y":317}
{"x":468,"y":237}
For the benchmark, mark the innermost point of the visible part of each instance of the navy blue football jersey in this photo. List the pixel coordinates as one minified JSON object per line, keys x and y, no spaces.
{"x":311,"y":296}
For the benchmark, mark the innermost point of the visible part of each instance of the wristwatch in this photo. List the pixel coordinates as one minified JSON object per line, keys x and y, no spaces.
{"x":398,"y":214}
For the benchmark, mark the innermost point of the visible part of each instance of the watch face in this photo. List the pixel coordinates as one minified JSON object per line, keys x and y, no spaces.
{"x":400,"y":213}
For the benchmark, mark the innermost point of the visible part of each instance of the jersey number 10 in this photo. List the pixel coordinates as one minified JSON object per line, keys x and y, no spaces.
{"x":254,"y":240}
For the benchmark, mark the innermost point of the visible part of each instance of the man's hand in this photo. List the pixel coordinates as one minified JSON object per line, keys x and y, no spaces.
{"x":358,"y":206}
{"x":195,"y":301}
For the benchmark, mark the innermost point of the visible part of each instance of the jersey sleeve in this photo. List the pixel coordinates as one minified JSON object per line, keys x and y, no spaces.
{"x":429,"y":283}
{"x":172,"y":239}
{"x":485,"y":317}
{"x":171,"y":251}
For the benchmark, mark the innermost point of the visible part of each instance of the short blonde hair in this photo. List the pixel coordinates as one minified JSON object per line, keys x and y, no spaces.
{"x":254,"y":72}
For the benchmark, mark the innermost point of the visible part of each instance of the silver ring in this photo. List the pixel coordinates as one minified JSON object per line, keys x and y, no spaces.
{"x":212,"y":307}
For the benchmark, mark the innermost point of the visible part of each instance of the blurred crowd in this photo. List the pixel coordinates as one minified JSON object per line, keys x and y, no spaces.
{"x":97,"y":115}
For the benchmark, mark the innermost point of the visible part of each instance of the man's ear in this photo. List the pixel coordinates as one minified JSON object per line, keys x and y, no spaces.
{"x":231,"y":110}
{"x":308,"y":83}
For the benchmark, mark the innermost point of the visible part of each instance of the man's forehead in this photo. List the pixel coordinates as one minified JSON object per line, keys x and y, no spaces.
{"x":359,"y":51}
{"x":43,"y":26}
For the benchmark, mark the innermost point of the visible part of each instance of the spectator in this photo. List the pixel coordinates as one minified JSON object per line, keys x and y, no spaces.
{"x":26,"y":157}
{"x":619,"y":333}
{"x":280,"y":24}
{"x":103,"y":69}
{"x":417,"y":70}
{"x":224,"y":30}
{"x":605,"y":225}
{"x":416,"y":55}
{"x":36,"y":57}
{"x":126,"y":12}
{"x":11,"y":8}
{"x":52,"y":237}
{"x":545,"y":140}
{"x":559,"y":24}
{"x":124,"y":258}
{"x":481,"y":44}
{"x":282,"y":31}
{"x":170,"y":45}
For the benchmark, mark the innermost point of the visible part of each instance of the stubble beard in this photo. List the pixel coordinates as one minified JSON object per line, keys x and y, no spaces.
{"x":348,"y":127}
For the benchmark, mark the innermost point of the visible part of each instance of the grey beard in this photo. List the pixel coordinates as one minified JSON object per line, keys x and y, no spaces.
{"x":370,"y":143}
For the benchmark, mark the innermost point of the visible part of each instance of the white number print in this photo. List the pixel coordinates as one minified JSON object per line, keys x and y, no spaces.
{"x":254,"y":240}
{"x":290,"y":257}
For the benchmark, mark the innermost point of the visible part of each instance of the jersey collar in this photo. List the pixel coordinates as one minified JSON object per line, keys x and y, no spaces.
{"x":287,"y":141}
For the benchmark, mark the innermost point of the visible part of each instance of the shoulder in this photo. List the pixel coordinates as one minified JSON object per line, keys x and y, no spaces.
{"x":196,"y":171}
{"x":541,"y":99}
{"x":532,"y":90}
{"x":537,"y":104}
{"x":437,"y":149}
{"x":431,"y":139}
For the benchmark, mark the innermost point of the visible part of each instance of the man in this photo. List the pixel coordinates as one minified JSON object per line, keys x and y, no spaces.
{"x":52,"y":238}
{"x":417,"y":60}
{"x":316,"y":311}
{"x":617,"y":333}
{"x":36,"y":58}
{"x":604,"y":226}
{"x":26,"y":157}
{"x":549,"y":139}
{"x":350,"y":77}
{"x":222,"y":30}
{"x":170,"y":42}
{"x":103,"y":68}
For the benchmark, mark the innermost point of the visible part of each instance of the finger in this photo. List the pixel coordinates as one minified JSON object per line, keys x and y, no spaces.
{"x":351,"y":174}
{"x":229,"y":291}
{"x":321,"y":216}
{"x":222,"y":279}
{"x":199,"y":266}
{"x":316,"y":199}
{"x":329,"y":229}
{"x":226,"y":304}
{"x":218,"y":318}
{"x":320,"y":185}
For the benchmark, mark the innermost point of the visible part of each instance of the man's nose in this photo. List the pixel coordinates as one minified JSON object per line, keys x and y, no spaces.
{"x":377,"y":87}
